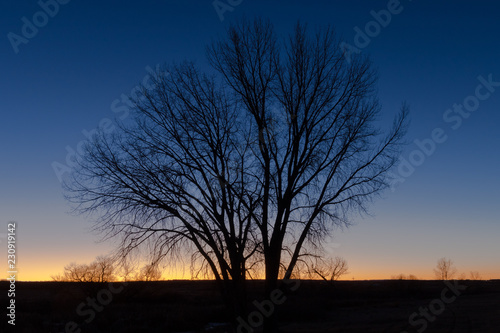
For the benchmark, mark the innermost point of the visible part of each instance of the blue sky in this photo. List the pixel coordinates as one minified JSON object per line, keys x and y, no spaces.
{"x":71,"y":74}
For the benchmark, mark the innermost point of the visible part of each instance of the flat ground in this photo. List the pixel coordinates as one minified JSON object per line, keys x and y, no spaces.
{"x":315,"y":306}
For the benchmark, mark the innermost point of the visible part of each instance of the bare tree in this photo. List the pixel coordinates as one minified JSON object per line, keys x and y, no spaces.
{"x":104,"y":269}
{"x":150,"y":272}
{"x":319,"y":156}
{"x":73,"y":273}
{"x":125,"y":270}
{"x":445,"y":269}
{"x":332,"y":269}
{"x":255,"y":164}
{"x":100,"y":270}
{"x":474,"y":275}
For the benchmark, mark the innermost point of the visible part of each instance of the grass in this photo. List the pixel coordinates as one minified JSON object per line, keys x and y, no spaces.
{"x":189,"y":306}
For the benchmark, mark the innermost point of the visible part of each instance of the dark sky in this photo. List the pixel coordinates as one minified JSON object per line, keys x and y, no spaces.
{"x":68,"y":74}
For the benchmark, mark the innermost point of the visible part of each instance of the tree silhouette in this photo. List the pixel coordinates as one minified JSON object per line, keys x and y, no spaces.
{"x":474,"y":275}
{"x":149,"y":272}
{"x":331,"y":269}
{"x":126,"y":270}
{"x":253,"y":163}
{"x":445,"y":269}
{"x":102,"y":269}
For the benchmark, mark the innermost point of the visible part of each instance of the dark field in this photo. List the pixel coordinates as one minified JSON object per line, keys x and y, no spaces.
{"x":315,"y":306}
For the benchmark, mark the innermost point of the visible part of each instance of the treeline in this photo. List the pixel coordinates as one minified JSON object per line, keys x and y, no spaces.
{"x":105,"y":269}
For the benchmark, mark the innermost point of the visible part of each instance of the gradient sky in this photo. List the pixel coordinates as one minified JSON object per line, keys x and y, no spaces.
{"x":71,"y":75}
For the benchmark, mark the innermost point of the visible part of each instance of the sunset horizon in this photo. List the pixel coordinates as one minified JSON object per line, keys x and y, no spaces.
{"x":238,"y":141}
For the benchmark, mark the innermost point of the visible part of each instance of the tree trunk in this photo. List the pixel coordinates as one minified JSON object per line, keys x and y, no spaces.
{"x":235,"y":298}
{"x":271,"y":284}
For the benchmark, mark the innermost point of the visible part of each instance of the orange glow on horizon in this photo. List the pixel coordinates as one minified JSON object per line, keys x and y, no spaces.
{"x":45,"y":274}
{"x":33,"y":269}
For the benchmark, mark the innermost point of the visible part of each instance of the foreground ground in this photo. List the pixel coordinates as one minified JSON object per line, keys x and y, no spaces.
{"x":315,"y":306}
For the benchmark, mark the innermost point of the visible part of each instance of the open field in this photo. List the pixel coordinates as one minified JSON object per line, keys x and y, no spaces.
{"x":315,"y":306}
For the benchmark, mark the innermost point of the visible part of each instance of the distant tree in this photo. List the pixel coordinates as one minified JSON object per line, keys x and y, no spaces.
{"x":125,"y":270}
{"x":331,"y":269}
{"x":474,"y":275}
{"x":100,"y":270}
{"x":150,"y":272}
{"x":260,"y":158}
{"x":445,"y":269}
{"x":104,"y":268}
